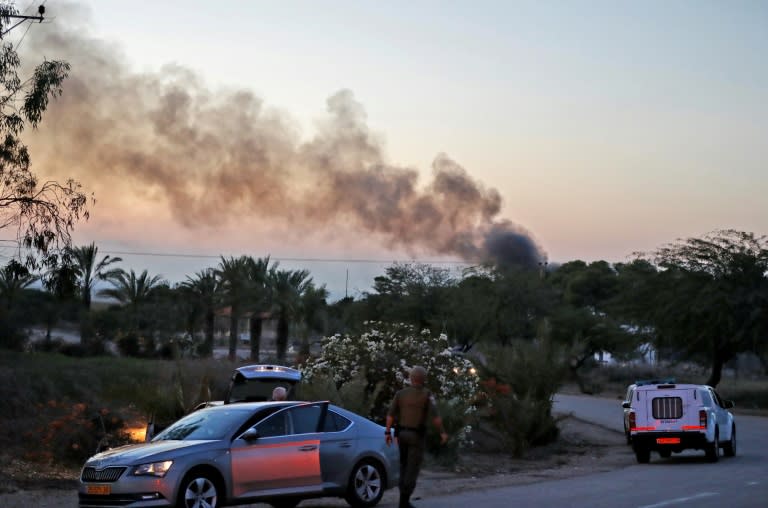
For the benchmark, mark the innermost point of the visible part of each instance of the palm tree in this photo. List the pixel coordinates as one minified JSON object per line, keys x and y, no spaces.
{"x":14,"y":279}
{"x":133,"y":291}
{"x":88,"y":270}
{"x":62,"y":289}
{"x":259,"y":276}
{"x":288,"y":287}
{"x":205,"y":291}
{"x":313,"y":302}
{"x":233,"y":277}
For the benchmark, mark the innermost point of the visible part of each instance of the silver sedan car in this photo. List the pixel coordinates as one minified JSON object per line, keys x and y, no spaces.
{"x":273,"y":452}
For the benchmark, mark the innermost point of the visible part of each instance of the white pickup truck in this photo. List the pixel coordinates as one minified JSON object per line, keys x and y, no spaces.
{"x":671,"y":417}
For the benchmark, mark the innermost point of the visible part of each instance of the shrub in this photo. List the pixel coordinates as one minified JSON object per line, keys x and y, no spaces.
{"x":353,"y":395}
{"x":69,"y":433}
{"x":518,"y":384}
{"x":383,"y":356}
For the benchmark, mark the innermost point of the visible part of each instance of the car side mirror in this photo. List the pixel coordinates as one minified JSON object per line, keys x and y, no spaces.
{"x":626,"y":405}
{"x":728,"y":404}
{"x":250,"y":435}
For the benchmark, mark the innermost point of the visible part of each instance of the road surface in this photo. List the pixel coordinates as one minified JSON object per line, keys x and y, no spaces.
{"x":681,"y":481}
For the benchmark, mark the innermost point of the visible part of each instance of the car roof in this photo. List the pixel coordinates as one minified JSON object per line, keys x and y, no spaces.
{"x":669,"y":386}
{"x":269,"y":371}
{"x":251,"y":406}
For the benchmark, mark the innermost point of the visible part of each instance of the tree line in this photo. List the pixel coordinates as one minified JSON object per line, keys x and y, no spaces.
{"x":701,"y":299}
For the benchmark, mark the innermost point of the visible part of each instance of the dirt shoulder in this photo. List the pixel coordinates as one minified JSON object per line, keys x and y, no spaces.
{"x":583,"y":448}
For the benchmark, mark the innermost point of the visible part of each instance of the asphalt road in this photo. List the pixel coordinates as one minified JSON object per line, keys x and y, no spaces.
{"x":681,"y":481}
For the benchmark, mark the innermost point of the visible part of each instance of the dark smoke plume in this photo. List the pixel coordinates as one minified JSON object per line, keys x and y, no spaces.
{"x":219,"y":155}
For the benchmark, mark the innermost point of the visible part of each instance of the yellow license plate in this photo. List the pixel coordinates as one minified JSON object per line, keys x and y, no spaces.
{"x":668,"y":440}
{"x":99,"y":490}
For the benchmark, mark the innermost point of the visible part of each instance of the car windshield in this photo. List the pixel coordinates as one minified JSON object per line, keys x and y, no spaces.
{"x":204,"y":425}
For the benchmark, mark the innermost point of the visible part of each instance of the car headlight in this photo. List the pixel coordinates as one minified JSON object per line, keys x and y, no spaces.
{"x":153,"y":469}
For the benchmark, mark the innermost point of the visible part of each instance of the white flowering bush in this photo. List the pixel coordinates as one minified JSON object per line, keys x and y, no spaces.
{"x":385,"y":354}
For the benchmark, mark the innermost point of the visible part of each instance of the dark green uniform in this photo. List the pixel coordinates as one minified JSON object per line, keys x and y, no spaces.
{"x":410,"y":408}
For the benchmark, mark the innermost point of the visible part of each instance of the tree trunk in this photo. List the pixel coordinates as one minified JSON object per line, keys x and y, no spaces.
{"x":85,"y":326}
{"x":256,"y":326}
{"x":282,"y":337}
{"x":233,"y":322}
{"x":210,"y":320}
{"x":718,"y":360}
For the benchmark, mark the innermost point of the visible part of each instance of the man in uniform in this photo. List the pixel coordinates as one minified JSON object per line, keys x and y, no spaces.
{"x":409,"y":411}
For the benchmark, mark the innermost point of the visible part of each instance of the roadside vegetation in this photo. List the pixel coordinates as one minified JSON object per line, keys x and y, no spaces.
{"x":498,"y":342}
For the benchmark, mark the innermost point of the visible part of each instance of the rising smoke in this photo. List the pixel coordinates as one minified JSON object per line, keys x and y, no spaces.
{"x":216,"y":155}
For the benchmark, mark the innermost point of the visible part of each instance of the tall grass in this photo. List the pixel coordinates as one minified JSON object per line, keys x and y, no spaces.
{"x":38,"y":389}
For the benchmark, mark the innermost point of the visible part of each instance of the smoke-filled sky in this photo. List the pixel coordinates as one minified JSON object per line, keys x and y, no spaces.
{"x":512,"y":131}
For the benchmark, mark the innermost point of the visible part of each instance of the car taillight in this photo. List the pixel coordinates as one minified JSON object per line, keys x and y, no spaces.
{"x":632,"y":420}
{"x":702,"y":418}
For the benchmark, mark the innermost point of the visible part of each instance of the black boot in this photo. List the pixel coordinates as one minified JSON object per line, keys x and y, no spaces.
{"x":405,"y":502}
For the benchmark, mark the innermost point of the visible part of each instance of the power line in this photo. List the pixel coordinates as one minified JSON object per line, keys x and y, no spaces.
{"x":292,"y":259}
{"x":189,"y":255}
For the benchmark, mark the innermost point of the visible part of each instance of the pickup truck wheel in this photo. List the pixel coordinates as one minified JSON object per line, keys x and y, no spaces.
{"x":713,"y":449}
{"x":665,"y":454}
{"x":643,"y":455}
{"x":729,"y":448}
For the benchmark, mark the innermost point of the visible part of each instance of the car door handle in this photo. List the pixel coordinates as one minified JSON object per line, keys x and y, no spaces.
{"x":345,"y":445}
{"x":307,"y":448}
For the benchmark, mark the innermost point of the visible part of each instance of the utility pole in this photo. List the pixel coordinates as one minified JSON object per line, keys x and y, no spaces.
{"x":9,"y":14}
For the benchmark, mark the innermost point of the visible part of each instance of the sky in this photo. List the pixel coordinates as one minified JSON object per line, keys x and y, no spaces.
{"x":339,"y":136}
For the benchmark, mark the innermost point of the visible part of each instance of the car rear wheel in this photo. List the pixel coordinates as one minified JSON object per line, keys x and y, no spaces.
{"x":729,"y":448}
{"x":198,"y":491}
{"x":713,"y":449}
{"x":643,"y":455}
{"x":665,"y":453}
{"x":366,"y":485}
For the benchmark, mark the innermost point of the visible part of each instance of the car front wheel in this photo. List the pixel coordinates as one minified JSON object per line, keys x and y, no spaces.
{"x":366,"y":485}
{"x":198,"y":491}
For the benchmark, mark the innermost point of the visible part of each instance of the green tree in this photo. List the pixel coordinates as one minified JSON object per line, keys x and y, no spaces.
{"x":204,"y":291}
{"x":233,"y":274}
{"x":259,"y":299}
{"x":414,"y":293}
{"x":14,"y":279}
{"x":134,"y":292}
{"x":473,"y":307}
{"x":312,"y":313}
{"x":524,"y":299}
{"x":60,"y":283}
{"x":584,"y":320}
{"x":89,"y":269}
{"x":712,"y":296}
{"x":288,"y":287}
{"x":44,"y":215}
